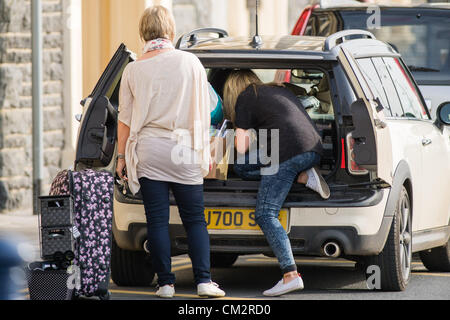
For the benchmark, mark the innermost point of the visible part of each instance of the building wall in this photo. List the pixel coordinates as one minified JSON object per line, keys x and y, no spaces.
{"x":16,"y":102}
{"x":295,"y":10}
{"x":191,"y":14}
{"x":103,"y":25}
{"x":107,"y":23}
{"x":237,"y":16}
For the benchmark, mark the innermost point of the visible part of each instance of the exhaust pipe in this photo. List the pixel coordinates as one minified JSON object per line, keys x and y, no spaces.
{"x":331,"y":249}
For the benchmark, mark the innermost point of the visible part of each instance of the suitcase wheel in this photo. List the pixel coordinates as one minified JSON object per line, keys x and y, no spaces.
{"x":106,"y":296}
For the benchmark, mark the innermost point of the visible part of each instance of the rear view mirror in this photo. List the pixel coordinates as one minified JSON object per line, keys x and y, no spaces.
{"x":309,"y":75}
{"x":443,"y":113}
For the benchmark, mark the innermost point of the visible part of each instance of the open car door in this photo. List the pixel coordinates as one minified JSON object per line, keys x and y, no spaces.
{"x":97,"y":134}
{"x":371,"y":131}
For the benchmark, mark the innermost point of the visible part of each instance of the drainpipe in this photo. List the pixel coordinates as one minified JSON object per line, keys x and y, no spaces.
{"x":36,"y":17}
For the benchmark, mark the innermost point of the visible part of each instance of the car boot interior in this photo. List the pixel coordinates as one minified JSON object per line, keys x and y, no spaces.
{"x":312,"y":88}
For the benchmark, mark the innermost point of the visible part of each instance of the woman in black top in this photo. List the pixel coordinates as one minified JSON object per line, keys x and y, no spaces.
{"x":289,"y":146}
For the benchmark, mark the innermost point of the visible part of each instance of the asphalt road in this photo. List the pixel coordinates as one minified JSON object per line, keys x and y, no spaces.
{"x":251,"y":275}
{"x":324,"y":280}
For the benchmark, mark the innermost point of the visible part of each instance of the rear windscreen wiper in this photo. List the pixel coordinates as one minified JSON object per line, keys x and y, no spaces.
{"x":422,"y":69}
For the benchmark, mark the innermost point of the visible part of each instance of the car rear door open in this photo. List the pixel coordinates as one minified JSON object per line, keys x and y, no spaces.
{"x":98,"y":129}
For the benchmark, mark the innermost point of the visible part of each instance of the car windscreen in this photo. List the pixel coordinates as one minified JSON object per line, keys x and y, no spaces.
{"x":422,"y":36}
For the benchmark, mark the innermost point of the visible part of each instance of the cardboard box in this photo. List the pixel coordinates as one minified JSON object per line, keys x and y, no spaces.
{"x":220,"y":155}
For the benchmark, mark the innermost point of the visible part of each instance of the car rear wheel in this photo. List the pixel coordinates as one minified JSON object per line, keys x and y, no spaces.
{"x":131,"y":268}
{"x":394,"y":261}
{"x":437,"y":259}
{"x":223,"y":260}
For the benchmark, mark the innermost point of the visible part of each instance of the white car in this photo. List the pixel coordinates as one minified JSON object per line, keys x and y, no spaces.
{"x":386,"y":161}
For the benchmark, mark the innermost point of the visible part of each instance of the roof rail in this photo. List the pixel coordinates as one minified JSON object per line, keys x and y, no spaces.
{"x":332,"y":40}
{"x":190,"y":39}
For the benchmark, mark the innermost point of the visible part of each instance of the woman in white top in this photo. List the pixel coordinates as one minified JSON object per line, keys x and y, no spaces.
{"x":163,"y":144}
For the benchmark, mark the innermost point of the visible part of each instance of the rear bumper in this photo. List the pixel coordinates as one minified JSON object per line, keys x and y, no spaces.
{"x":305,"y":240}
{"x":359,"y":227}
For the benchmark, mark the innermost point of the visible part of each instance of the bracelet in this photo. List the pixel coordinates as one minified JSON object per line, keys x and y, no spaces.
{"x":121,"y":156}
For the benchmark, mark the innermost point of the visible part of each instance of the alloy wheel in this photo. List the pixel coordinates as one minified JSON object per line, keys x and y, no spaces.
{"x":405,"y":237}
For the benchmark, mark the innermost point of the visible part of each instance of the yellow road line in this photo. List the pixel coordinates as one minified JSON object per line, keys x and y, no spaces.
{"x":324,"y":261}
{"x":181,"y":261}
{"x":145,"y":293}
{"x":189,"y":266}
{"x":311,"y":261}
{"x":431,"y":274}
{"x":194,"y":296}
{"x":300,"y":261}
{"x":176,"y":263}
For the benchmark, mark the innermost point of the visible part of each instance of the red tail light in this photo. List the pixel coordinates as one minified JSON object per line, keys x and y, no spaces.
{"x":353,"y":168}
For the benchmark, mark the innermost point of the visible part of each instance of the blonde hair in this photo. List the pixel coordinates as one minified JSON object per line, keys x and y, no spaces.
{"x":157,"y":22}
{"x":237,"y":82}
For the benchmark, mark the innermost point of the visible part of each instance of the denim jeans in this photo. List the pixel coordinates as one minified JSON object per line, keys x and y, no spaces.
{"x":272,"y":194}
{"x":190,"y":203}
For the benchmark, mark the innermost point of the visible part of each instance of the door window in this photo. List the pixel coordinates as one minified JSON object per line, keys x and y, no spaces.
{"x":409,"y":97}
{"x":371,"y":75}
{"x":388,"y":85}
{"x":321,"y":25}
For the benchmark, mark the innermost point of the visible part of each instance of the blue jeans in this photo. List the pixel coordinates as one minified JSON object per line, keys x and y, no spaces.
{"x":272,"y":194}
{"x":190,"y":203}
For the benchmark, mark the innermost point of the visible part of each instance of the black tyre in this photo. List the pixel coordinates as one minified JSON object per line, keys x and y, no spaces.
{"x":131,"y":268}
{"x":437,"y":259}
{"x":223,"y":260}
{"x":394,"y":261}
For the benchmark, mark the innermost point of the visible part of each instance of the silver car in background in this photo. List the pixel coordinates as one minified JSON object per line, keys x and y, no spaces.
{"x":421,"y":34}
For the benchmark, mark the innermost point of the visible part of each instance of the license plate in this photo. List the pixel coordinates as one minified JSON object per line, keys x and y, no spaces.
{"x":237,"y":219}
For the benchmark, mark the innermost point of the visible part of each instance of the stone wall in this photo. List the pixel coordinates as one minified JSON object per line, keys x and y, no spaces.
{"x":192,"y":14}
{"x":16,"y":101}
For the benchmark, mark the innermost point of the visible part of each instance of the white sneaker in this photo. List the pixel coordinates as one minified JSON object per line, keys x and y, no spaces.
{"x":281,"y":288}
{"x":317,"y":183}
{"x":166,"y":291}
{"x":210,"y":290}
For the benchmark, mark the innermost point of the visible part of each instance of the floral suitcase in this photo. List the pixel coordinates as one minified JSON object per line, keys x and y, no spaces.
{"x":92,"y":193}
